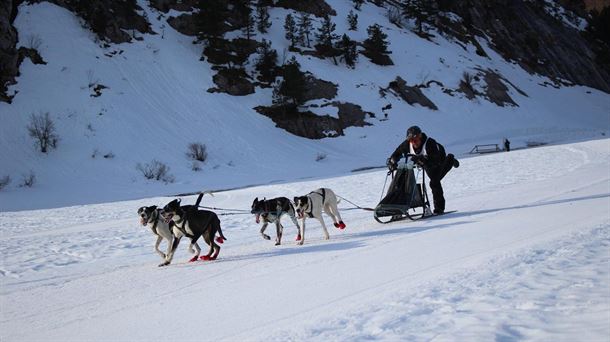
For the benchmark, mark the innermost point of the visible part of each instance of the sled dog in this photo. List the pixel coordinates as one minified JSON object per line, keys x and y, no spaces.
{"x":152,"y":217}
{"x":272,"y":211}
{"x":312,"y":204}
{"x":193,"y":223}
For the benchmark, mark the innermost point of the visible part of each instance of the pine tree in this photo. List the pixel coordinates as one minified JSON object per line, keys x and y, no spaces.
{"x":420,"y":10}
{"x":358,"y":4}
{"x":376,"y":42}
{"x":291,"y":89}
{"x":352,"y":20}
{"x":262,"y":17}
{"x":210,"y":20}
{"x":325,"y":35}
{"x":349,"y":53}
{"x":291,"y":30}
{"x":305,"y":27}
{"x":248,"y":21}
{"x":267,"y":61}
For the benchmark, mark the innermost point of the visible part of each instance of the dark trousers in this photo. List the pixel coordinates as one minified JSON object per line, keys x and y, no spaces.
{"x":436,"y":175}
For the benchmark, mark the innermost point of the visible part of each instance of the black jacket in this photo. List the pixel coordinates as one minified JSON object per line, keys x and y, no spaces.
{"x":434,"y":159}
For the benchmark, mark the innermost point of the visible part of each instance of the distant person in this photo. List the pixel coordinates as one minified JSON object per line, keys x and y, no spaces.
{"x":431,"y":156}
{"x":506,"y":145}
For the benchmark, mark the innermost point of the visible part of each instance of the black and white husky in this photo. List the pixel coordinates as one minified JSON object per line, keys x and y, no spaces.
{"x":152,"y":217}
{"x":312,"y":204}
{"x":193,"y":222}
{"x":272,"y":211}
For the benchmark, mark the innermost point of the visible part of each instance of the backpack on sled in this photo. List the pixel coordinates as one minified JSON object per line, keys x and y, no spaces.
{"x":406,"y":197}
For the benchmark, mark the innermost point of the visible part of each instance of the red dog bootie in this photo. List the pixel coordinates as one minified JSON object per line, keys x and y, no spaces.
{"x":336,"y":225}
{"x":205,"y":258}
{"x":193,"y":259}
{"x":220,"y":240}
{"x":341,"y":225}
{"x":298,"y":238}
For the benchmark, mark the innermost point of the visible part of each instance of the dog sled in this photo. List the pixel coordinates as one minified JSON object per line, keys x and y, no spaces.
{"x":406,"y":198}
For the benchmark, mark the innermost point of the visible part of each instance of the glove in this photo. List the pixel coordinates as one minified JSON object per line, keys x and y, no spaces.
{"x":419,"y":160}
{"x":391,"y":164}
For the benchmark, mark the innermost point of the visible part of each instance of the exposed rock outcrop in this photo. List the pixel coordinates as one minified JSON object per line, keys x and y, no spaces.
{"x":233,"y":82}
{"x":309,"y":125}
{"x":109,"y":19}
{"x":319,"y":8}
{"x":410,"y":94}
{"x":524,"y":32}
{"x":9,"y":56}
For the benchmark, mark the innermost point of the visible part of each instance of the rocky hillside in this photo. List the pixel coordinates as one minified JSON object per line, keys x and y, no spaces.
{"x":526,"y":32}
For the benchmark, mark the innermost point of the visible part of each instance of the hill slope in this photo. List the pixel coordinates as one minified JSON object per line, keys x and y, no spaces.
{"x":156,"y":103}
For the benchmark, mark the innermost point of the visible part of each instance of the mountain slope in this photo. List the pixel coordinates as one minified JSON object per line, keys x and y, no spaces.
{"x":156,"y":103}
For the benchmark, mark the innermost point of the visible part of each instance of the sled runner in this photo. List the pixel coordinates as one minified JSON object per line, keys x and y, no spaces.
{"x":406,"y":197}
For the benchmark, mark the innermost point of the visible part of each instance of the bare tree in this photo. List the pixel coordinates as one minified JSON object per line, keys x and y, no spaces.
{"x":4,"y":181}
{"x":197,"y":151}
{"x":42,"y":129}
{"x":28,"y":180}
{"x":156,"y":170}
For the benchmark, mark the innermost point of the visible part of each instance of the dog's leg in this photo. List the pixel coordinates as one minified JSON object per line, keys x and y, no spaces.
{"x":333,"y":212}
{"x":210,"y":241}
{"x":169,"y":255}
{"x":173,"y":249}
{"x":326,"y":236}
{"x":159,"y":239}
{"x":294,"y":220}
{"x":217,"y":248}
{"x":279,"y":230}
{"x":196,"y":251}
{"x":302,"y":232}
{"x":329,"y":211}
{"x":265,"y":236}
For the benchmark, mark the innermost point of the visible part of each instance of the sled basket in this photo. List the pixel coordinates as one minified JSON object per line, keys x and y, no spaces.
{"x":406,"y":198}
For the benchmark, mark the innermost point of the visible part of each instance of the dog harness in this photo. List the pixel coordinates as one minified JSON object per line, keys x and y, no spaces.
{"x":323,"y":194}
{"x":182,"y":229}
{"x":267,"y":210}
{"x":154,"y":227}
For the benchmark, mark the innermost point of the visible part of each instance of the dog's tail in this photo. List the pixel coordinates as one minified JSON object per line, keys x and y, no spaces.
{"x":201,"y":197}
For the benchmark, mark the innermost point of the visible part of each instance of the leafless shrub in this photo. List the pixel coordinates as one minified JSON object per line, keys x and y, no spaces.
{"x":34,"y":41}
{"x":109,"y":155}
{"x":156,"y":170}
{"x":4,"y":181}
{"x":197,"y":151}
{"x":320,"y":156}
{"x":42,"y":129}
{"x":467,"y":79}
{"x":28,"y":180}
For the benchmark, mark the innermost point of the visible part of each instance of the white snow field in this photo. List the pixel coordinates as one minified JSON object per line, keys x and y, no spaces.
{"x":525,"y":257}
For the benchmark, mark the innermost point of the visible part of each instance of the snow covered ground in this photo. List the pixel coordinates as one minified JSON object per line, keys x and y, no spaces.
{"x":525,"y":257}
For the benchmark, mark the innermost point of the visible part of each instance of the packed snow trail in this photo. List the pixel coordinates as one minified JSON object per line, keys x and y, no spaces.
{"x":525,"y":257}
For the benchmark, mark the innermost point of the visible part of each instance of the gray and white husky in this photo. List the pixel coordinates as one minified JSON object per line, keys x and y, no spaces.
{"x":272,"y":211}
{"x":152,"y":217}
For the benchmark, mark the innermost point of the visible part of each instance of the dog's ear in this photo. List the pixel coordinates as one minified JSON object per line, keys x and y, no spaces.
{"x":140,"y":209}
{"x":295,"y":199}
{"x":255,"y":201}
{"x":179,"y":200}
{"x":153,"y":208}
